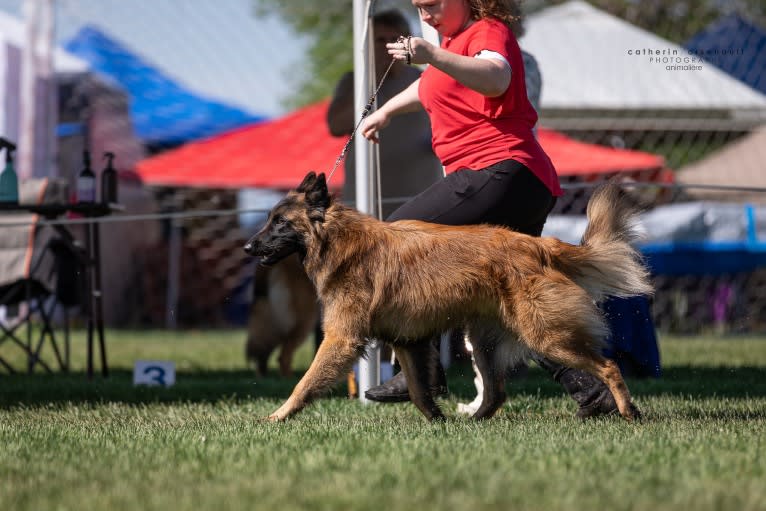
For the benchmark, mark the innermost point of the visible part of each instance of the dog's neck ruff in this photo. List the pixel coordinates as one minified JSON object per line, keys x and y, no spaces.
{"x":326,"y":243}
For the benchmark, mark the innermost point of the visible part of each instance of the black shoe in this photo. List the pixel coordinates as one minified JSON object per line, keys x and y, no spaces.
{"x":392,"y":391}
{"x":395,"y":390}
{"x":601,"y":404}
{"x":590,"y":393}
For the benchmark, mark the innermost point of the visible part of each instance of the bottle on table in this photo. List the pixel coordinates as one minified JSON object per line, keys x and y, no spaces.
{"x":86,"y":181}
{"x":109,"y":181}
{"x":9,"y":181}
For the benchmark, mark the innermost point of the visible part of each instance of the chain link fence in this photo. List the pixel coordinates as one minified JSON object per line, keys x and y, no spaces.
{"x":266,"y":59}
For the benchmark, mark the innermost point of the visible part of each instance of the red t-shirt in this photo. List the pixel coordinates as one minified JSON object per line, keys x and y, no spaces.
{"x":473,"y":131}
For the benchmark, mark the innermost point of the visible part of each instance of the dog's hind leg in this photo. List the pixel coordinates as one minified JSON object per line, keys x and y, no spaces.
{"x":470,"y":408}
{"x":333,"y":359}
{"x":611,"y":375}
{"x":413,"y":359}
{"x":605,"y":370}
{"x":559,"y":320}
{"x":567,"y":347}
{"x":491,"y":358}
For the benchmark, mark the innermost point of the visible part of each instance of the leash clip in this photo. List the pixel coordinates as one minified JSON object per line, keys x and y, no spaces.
{"x":407,"y":41}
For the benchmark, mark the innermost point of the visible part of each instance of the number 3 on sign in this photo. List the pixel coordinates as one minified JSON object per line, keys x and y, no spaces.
{"x":158,"y":372}
{"x":154,"y":372}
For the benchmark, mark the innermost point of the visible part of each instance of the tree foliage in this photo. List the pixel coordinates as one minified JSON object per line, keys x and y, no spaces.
{"x":677,"y":20}
{"x":329,"y":25}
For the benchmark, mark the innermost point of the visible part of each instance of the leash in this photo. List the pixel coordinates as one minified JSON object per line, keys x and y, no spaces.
{"x":365,"y":113}
{"x":367,"y":110}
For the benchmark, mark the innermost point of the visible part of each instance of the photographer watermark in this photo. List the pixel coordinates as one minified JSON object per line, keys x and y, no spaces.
{"x":679,"y":59}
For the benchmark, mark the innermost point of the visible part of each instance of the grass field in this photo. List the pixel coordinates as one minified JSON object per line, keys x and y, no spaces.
{"x":70,"y":443}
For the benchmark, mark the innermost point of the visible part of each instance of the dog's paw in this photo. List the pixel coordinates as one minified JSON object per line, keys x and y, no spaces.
{"x":634,"y":414}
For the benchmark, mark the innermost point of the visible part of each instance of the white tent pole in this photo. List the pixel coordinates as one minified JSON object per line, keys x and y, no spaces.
{"x":369,"y":366}
{"x":361,"y":88}
{"x":37,"y":115}
{"x":28,"y":112}
{"x":49,"y":167}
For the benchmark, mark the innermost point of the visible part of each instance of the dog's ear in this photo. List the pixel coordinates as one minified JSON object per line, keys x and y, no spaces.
{"x":318,"y":199}
{"x":307,"y":183}
{"x":317,"y":195}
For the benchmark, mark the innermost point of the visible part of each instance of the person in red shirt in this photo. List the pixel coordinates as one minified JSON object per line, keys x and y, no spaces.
{"x":482,"y":131}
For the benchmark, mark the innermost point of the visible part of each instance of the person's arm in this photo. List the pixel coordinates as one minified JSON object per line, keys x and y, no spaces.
{"x":490,"y":77}
{"x":340,"y":114}
{"x":404,"y":102}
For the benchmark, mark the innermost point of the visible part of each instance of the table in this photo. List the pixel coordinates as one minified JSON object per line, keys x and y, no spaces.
{"x":94,"y":306}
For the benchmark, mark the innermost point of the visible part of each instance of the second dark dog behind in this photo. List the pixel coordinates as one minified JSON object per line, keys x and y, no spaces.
{"x":283,"y":313}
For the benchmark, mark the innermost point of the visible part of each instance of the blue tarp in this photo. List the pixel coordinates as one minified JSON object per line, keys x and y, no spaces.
{"x":705,"y":239}
{"x":163,"y":112}
{"x":735,"y":46}
{"x":704,"y":258}
{"x":693,"y":238}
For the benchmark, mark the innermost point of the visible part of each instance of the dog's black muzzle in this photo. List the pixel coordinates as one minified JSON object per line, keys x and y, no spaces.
{"x":269,"y":252}
{"x":250,"y":247}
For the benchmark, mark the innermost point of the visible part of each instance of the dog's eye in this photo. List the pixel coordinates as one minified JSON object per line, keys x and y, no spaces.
{"x":281,"y":221}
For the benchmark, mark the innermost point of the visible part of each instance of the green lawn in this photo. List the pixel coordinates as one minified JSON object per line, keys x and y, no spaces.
{"x":70,"y":443}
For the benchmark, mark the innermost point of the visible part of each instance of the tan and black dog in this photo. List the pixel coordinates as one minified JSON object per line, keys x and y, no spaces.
{"x":406,"y":281}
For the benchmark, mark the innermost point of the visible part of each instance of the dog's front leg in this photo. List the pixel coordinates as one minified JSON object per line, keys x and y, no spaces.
{"x":413,"y":357}
{"x":333,"y":359}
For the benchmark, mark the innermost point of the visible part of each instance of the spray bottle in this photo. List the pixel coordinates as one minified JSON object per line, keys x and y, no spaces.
{"x":86,"y":181}
{"x":9,"y":182}
{"x":109,"y":181}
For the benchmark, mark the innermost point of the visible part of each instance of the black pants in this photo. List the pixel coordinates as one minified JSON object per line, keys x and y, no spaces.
{"x":506,"y":194}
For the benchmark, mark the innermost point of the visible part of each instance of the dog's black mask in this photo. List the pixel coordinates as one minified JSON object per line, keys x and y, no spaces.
{"x":290,"y":221}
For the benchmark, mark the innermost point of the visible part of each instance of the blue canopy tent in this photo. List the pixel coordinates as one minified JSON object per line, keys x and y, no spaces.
{"x":736,"y":46}
{"x":163,"y":112}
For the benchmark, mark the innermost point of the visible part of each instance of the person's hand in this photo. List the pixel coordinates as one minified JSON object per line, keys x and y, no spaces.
{"x":375,"y":122}
{"x":412,"y":50}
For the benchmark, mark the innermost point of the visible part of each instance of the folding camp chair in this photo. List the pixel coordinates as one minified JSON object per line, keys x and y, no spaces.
{"x":40,"y":271}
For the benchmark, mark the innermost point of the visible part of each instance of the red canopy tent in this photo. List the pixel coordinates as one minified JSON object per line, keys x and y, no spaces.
{"x":278,"y":154}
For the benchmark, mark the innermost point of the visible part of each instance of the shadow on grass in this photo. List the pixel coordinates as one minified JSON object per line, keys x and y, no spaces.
{"x":211,"y":386}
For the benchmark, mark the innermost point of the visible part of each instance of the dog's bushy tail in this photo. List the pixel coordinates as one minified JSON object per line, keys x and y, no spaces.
{"x":612,"y":267}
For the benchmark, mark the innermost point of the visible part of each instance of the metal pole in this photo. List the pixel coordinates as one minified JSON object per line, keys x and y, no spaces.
{"x":174,"y":273}
{"x":98,"y":300}
{"x":369,"y":366}
{"x":90,"y":271}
